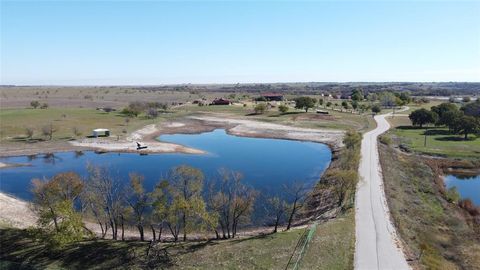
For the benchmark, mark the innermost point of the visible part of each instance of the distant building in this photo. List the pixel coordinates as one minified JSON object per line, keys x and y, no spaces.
{"x":273,"y":96}
{"x":221,"y":101}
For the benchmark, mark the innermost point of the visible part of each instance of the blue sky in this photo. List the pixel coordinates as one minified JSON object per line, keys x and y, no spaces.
{"x":156,"y":42}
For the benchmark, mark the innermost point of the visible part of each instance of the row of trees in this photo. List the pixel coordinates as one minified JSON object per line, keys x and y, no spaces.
{"x":178,"y":204}
{"x":47,"y":131}
{"x":150,"y":109}
{"x":464,"y":120}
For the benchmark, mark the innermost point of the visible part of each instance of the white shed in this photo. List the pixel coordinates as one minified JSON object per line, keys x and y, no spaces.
{"x":101,"y":132}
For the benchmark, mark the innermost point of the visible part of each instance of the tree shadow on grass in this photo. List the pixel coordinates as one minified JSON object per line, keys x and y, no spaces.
{"x":455,"y":139}
{"x":430,"y":132}
{"x":409,"y":127}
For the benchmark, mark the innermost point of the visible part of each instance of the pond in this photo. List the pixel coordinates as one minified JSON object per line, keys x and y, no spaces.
{"x":267,"y":164}
{"x":468,"y":187}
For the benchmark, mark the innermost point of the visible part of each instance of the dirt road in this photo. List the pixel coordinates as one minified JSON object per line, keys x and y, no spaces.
{"x":377,"y":246}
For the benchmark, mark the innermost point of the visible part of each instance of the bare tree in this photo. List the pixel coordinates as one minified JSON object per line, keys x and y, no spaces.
{"x":233,"y":202}
{"x":277,"y":209}
{"x":76,"y":131}
{"x":296,"y":192}
{"x":107,"y":197}
{"x":48,"y":131}
{"x":29,"y":133}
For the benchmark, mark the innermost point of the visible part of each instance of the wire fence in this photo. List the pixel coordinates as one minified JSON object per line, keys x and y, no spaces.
{"x":301,"y":247}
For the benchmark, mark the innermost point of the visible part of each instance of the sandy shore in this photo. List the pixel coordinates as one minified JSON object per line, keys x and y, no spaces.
{"x":250,"y":128}
{"x":15,"y":212}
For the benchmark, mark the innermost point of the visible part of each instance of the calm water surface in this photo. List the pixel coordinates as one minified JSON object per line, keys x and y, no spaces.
{"x":468,"y":187}
{"x":265,"y":163}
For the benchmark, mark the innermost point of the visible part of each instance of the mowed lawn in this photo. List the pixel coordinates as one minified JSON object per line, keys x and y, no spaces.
{"x":331,"y":248}
{"x":439,"y":140}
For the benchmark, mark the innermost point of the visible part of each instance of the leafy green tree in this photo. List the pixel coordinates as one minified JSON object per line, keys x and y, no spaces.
{"x":352,"y":139}
{"x":376,"y":109}
{"x":321,"y":101}
{"x":34,"y":104}
{"x":260,"y":108}
{"x":139,"y":201}
{"x":344,"y":185}
{"x":345,"y":104}
{"x":444,"y":111}
{"x":54,"y":200}
{"x":329,"y":104}
{"x":387,"y":99}
{"x":304,"y":103}
{"x":372,"y":97}
{"x":465,"y":125}
{"x":357,"y":94}
{"x":283,"y":108}
{"x":450,"y":119}
{"x":354,"y":104}
{"x":187,"y":205}
{"x":159,"y":213}
{"x":472,"y":109}
{"x":423,"y":116}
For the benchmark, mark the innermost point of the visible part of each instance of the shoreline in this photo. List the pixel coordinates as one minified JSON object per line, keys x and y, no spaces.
{"x":191,"y":125}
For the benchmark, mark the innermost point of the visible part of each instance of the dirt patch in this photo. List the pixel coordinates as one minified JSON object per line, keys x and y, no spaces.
{"x":16,"y":213}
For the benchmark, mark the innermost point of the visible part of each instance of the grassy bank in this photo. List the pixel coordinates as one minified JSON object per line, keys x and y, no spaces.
{"x":438,"y":234}
{"x":331,"y":248}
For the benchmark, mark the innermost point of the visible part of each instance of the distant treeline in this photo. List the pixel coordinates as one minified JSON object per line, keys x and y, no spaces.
{"x":416,"y":89}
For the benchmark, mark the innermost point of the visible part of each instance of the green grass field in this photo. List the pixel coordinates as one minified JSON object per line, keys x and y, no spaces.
{"x":331,"y":248}
{"x":439,"y":141}
{"x":14,"y":122}
{"x":294,"y":117}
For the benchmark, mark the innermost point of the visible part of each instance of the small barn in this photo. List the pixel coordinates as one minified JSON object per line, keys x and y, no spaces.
{"x":272,"y":96}
{"x":101,"y":132}
{"x":220,"y":101}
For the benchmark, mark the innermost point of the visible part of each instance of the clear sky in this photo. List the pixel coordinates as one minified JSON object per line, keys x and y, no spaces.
{"x":156,"y":42}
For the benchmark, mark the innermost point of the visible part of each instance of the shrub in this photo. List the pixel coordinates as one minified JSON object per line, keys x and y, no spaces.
{"x":468,"y":205}
{"x":29,"y":133}
{"x":452,"y":195}
{"x":44,"y":106}
{"x":385,"y":139}
{"x":283,"y":108}
{"x":260,"y":108}
{"x":34,"y":104}
{"x":376,"y":109}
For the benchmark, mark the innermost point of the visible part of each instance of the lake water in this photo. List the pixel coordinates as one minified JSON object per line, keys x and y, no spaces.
{"x":266,"y":164}
{"x":468,"y":187}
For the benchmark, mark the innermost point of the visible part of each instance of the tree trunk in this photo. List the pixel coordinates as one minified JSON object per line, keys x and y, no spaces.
{"x":184,"y":219}
{"x":140,"y":230}
{"x":55,"y":222}
{"x":290,"y":219}
{"x":153,"y":232}
{"x":123,"y":228}
{"x":160,"y":234}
